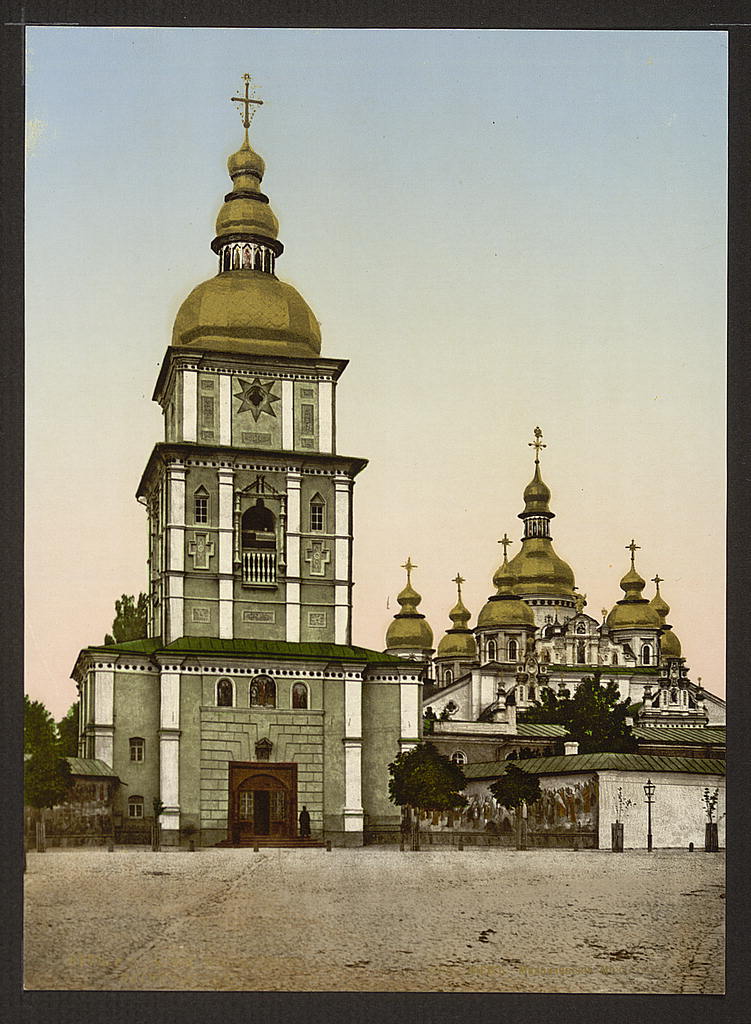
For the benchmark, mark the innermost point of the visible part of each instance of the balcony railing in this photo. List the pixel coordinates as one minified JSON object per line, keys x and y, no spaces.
{"x":259,"y":567}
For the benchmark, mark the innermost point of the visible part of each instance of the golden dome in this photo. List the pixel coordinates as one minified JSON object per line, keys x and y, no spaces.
{"x":244,"y":216}
{"x":409,"y":629}
{"x":536,"y":494}
{"x":505,"y":608}
{"x":247,"y":311}
{"x":458,"y":642}
{"x":633,"y":611}
{"x":539,"y":570}
{"x":670,"y":645}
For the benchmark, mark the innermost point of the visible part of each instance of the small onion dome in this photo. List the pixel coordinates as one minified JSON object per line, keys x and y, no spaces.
{"x":458,"y":642}
{"x":246,"y":210}
{"x":246,"y":311}
{"x":505,"y":608}
{"x":537,"y":495}
{"x":409,"y":629}
{"x":633,"y":611}
{"x":670,"y":645}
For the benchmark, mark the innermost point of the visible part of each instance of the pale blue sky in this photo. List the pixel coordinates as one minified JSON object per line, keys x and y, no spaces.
{"x":496,"y":228}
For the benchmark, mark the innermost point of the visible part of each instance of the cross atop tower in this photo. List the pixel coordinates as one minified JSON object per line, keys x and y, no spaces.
{"x":505,"y":541}
{"x":632,"y":547}
{"x":537,"y":444}
{"x":459,"y":579}
{"x":409,"y":567}
{"x":657,"y":580}
{"x":247,"y":101}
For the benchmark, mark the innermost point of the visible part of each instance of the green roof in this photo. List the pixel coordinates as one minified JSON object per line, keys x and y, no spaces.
{"x":540,"y":729}
{"x":680,"y":733}
{"x":90,"y":766}
{"x":563,"y":764}
{"x":278,"y":648}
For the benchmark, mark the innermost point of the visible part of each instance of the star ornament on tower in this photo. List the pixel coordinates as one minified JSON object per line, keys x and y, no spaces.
{"x":256,"y":397}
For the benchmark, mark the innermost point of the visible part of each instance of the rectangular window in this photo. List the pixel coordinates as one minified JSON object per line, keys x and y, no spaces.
{"x":136,"y":749}
{"x":306,"y":419}
{"x":135,"y":808}
{"x":316,"y":516}
{"x":202,"y":510}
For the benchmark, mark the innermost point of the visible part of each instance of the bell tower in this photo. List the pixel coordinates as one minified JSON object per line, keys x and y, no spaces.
{"x":249,"y":505}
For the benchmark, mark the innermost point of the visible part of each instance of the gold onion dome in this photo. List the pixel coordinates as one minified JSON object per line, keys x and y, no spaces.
{"x":409,"y":629}
{"x":505,"y":607}
{"x":633,"y":611}
{"x":537,"y":495}
{"x":458,"y":642}
{"x":246,"y":308}
{"x":670,"y":645}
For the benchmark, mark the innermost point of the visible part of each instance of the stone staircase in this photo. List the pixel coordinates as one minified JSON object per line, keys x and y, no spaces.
{"x":275,"y":842}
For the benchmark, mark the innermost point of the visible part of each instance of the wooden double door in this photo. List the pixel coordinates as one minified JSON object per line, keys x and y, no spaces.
{"x":262,"y":801}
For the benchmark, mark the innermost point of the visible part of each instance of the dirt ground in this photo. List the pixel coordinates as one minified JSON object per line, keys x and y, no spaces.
{"x":480,"y":920}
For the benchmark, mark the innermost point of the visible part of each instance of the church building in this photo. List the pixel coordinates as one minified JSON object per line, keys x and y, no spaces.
{"x":533,"y":634}
{"x":247,"y":700}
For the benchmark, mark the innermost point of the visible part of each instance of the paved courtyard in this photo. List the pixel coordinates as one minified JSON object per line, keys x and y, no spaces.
{"x":376,"y":920}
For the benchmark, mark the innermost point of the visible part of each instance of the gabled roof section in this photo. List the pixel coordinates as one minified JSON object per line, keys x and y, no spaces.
{"x":540,"y":729}
{"x":91,"y":767}
{"x":567,"y":763}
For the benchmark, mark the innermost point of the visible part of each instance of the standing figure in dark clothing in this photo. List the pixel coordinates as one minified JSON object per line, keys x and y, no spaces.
{"x":304,"y":823}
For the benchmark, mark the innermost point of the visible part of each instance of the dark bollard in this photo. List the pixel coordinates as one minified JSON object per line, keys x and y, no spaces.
{"x":690,"y":847}
{"x":328,"y":846}
{"x":460,"y":845}
{"x":110,"y":847}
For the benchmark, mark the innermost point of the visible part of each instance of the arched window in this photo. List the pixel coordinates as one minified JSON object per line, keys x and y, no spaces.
{"x":246,"y":258}
{"x":135,"y":806}
{"x":299,"y":695}
{"x":513,"y":650}
{"x":459,"y":757}
{"x":492,"y":650}
{"x":201,"y":506}
{"x":615,"y":658}
{"x":236,"y":257}
{"x":532,"y":693}
{"x":646,"y":654}
{"x":224,"y":694}
{"x":263,"y":692}
{"x":581,"y":653}
{"x":258,"y":538}
{"x":448,"y":677}
{"x":673,"y":696}
{"x":317,"y":514}
{"x":137,"y":746}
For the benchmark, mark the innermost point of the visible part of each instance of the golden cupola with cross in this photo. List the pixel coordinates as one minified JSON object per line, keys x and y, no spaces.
{"x":409,"y":634}
{"x":506,"y":622}
{"x":543,"y":579}
{"x":457,"y":648}
{"x":670,"y":645}
{"x":245,"y":308}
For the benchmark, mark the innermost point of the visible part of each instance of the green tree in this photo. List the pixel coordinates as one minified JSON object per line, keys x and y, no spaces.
{"x":131,"y":620}
{"x":47,"y":776}
{"x":67,"y":730}
{"x":516,"y":787}
{"x":594,"y":716}
{"x":424,"y":780}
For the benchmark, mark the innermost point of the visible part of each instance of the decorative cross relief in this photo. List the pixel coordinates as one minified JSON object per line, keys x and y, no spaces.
{"x":317,"y":556}
{"x":201,"y":548}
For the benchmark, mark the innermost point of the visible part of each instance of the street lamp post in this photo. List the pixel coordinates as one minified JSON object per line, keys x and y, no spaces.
{"x":649,"y":794}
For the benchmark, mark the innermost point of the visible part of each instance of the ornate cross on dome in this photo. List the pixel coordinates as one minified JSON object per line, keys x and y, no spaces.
{"x":409,"y":567}
{"x":537,"y":444}
{"x":505,"y":541}
{"x":459,"y":579}
{"x":657,"y":580}
{"x":632,"y":547}
{"x":246,"y":101}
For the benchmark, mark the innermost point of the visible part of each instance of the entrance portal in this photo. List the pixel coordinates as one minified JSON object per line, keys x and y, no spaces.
{"x":262,"y":801}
